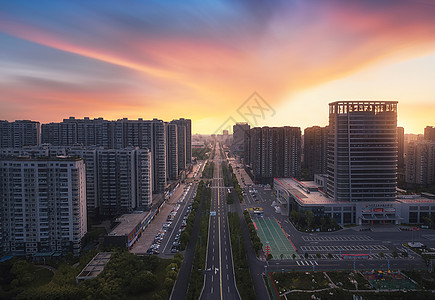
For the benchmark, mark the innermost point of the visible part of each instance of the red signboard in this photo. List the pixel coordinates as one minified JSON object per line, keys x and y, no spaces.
{"x":378,"y":209}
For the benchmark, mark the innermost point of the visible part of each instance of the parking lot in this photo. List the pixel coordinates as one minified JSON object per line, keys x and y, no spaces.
{"x":157,"y":227}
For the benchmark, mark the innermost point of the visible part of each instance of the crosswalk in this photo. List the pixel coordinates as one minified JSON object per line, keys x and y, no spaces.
{"x":307,"y":263}
{"x":340,"y":238}
{"x":430,"y":237}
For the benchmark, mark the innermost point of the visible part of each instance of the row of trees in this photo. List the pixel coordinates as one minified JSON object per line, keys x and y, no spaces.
{"x":197,"y":277}
{"x":208,"y":170}
{"x":185,"y":235}
{"x":226,"y":173}
{"x":307,"y":221}
{"x":240,"y":260}
{"x":126,"y":275}
{"x":201,"y":153}
{"x":256,"y":242}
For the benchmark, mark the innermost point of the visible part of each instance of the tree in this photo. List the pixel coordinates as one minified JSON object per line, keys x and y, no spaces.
{"x":168,"y":284}
{"x":281,"y":256}
{"x":145,"y":281}
{"x":309,"y":217}
{"x":329,"y":255}
{"x":318,"y":255}
{"x":322,"y":223}
{"x":306,"y":255}
{"x":293,"y":256}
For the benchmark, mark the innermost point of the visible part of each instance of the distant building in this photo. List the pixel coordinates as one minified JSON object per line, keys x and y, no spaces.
{"x":240,"y":137}
{"x":43,"y":205}
{"x":362,"y":150}
{"x":275,"y":152}
{"x":19,"y":133}
{"x":400,"y":148}
{"x":420,"y":163}
{"x":429,"y":133}
{"x":315,"y":150}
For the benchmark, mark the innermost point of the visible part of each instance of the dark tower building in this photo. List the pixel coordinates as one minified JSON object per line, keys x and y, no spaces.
{"x":362,"y":150}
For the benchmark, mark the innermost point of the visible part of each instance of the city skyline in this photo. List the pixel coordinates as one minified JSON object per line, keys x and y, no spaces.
{"x":202,"y":62}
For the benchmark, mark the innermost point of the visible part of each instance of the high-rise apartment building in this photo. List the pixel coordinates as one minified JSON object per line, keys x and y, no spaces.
{"x":240,"y":137}
{"x":362,"y":150}
{"x":420,"y":163}
{"x":19,"y":133}
{"x":116,"y":179}
{"x":429,"y":133}
{"x":124,"y":177}
{"x":172,"y":151}
{"x":315,"y":150}
{"x":43,"y":205}
{"x":275,"y":152}
{"x":119,"y":134}
{"x":184,"y":140}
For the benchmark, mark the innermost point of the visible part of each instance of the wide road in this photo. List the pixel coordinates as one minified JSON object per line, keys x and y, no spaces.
{"x":219,"y":279}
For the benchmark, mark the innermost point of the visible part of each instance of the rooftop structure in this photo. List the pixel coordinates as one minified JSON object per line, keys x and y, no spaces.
{"x":94,"y":267}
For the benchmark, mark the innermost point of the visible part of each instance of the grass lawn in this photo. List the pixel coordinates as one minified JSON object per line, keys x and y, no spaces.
{"x":347,"y":280}
{"x":300,"y":281}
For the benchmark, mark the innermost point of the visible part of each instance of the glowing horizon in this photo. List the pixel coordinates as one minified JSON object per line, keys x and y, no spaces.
{"x":201,"y":60}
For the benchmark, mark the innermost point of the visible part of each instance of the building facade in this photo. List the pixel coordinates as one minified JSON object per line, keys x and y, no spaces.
{"x":119,"y":134}
{"x":117,"y":180}
{"x":429,"y":133}
{"x":420,"y":163}
{"x":362,"y":150}
{"x":19,"y":133}
{"x":315,"y":150}
{"x":275,"y":152}
{"x":240,"y":136}
{"x":172,"y":151}
{"x":43,"y":205}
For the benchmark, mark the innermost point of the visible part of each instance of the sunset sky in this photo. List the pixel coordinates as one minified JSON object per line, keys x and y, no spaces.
{"x":202,"y":59}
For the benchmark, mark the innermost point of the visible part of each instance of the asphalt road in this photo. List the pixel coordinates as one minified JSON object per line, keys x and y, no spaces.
{"x":219,"y":281}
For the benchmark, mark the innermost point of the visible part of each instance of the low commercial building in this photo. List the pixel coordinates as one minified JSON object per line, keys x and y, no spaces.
{"x":129,"y":229}
{"x":309,"y":195}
